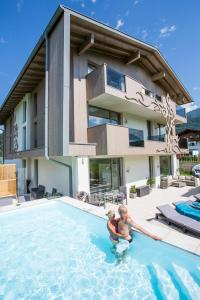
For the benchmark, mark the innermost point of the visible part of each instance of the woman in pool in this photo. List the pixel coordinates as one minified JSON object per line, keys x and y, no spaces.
{"x":114,"y":225}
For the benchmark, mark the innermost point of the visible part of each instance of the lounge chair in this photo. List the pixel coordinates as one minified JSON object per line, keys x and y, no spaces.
{"x":171,"y":216}
{"x":187,"y":209}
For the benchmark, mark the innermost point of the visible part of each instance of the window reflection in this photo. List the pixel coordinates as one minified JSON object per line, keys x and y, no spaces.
{"x":99,"y":116}
{"x":115,"y":79}
{"x":136,"y":137}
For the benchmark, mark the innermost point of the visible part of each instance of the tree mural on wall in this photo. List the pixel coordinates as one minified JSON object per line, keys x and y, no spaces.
{"x":15,"y":134}
{"x":164,"y":108}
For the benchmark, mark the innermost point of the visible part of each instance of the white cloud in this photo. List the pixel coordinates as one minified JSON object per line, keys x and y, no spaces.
{"x":196,"y":88}
{"x":19,"y":5}
{"x":144,"y":34}
{"x":167,"y":31}
{"x":2,"y":40}
{"x":94,"y":1}
{"x":82,"y":4}
{"x":120,"y":23}
{"x":190,"y":106}
{"x":136,"y":2}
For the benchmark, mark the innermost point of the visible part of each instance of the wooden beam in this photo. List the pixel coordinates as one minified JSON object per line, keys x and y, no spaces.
{"x":134,"y":57}
{"x":89,"y":42}
{"x":158,"y":76}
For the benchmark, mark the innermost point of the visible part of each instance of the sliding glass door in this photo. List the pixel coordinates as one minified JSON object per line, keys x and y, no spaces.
{"x":104,"y":174}
{"x":165,"y":165}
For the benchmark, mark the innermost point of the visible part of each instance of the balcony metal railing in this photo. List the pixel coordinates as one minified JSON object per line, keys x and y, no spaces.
{"x":180,"y":111}
{"x":158,"y":138}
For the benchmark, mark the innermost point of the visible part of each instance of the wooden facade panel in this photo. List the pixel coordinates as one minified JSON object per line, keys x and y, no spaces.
{"x":38,"y":95}
{"x":7,"y":138}
{"x":55,"y":90}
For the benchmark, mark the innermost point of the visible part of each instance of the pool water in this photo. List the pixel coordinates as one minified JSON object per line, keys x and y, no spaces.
{"x":55,"y":251}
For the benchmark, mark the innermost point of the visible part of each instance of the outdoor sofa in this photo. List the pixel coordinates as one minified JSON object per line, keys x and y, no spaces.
{"x":188,"y":180}
{"x":171,"y":216}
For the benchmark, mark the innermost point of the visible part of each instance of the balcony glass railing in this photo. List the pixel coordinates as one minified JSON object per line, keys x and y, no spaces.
{"x":159,"y":138}
{"x":180,"y":111}
{"x":115,"y":79}
{"x":136,"y":138}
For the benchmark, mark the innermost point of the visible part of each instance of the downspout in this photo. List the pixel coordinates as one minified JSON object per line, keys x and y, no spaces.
{"x":46,"y":147}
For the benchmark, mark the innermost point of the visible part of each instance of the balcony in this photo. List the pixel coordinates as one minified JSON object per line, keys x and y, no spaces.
{"x":116,"y":140}
{"x":112,"y":90}
{"x":181,"y":116}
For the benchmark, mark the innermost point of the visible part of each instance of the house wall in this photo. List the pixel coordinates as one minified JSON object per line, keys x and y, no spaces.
{"x":78,"y":123}
{"x":135,"y":122}
{"x":54,"y":175}
{"x":136,"y":170}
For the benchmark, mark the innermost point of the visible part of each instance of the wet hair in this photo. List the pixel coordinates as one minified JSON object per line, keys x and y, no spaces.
{"x":110,"y":214}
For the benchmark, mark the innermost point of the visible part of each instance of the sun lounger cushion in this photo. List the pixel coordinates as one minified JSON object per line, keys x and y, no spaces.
{"x":195,"y":205}
{"x":186,"y":209}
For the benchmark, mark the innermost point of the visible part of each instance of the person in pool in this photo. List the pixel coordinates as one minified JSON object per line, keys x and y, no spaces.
{"x":126,"y":219}
{"x":112,"y":226}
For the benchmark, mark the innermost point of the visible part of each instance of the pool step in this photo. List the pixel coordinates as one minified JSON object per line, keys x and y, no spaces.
{"x":167,"y":286}
{"x":155,"y":283}
{"x":189,"y":281}
{"x":183,"y":292}
{"x":196,"y":277}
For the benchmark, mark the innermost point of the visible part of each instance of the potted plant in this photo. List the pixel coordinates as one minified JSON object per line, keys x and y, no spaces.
{"x":133,"y":192}
{"x":151,"y":182}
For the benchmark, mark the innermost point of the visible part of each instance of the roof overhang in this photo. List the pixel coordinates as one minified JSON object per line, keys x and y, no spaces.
{"x":90,"y":35}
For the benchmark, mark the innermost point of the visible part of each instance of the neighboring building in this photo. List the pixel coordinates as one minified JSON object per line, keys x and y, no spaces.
{"x":192,"y":139}
{"x":92,"y":109}
{"x":193,"y":123}
{"x":189,"y":133}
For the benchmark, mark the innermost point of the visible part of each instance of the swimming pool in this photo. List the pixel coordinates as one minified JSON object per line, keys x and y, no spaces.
{"x":55,"y":251}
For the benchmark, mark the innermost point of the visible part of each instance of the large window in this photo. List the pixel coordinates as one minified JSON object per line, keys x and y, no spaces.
{"x":24,"y":138}
{"x":165,"y":165}
{"x":24,"y":111}
{"x":35,"y":124}
{"x":115,"y":79}
{"x":136,"y":137}
{"x":99,"y":116}
{"x":104,"y":175}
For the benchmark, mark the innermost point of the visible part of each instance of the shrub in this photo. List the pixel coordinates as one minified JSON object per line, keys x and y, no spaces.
{"x":151,"y":181}
{"x":133,"y":189}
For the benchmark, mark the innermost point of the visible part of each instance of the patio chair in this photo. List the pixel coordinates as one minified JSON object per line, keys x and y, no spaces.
{"x":82,"y":196}
{"x":97,"y":199}
{"x":171,"y":216}
{"x":38,"y":192}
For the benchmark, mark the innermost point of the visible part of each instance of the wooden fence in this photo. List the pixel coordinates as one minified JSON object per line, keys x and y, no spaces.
{"x":7,"y":180}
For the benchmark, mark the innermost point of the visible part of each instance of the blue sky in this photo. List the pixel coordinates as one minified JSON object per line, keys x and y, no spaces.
{"x":171,"y":25}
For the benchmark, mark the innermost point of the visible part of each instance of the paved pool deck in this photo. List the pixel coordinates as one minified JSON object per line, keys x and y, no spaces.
{"x":143,"y":211}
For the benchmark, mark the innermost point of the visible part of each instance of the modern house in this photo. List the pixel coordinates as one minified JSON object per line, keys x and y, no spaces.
{"x":92,"y":109}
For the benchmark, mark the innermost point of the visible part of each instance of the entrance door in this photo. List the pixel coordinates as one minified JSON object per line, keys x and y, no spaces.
{"x":165,"y":165}
{"x":151,"y":171}
{"x":104,"y":174}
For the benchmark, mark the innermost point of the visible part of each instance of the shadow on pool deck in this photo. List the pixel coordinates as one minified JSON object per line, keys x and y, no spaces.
{"x":192,"y":192}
